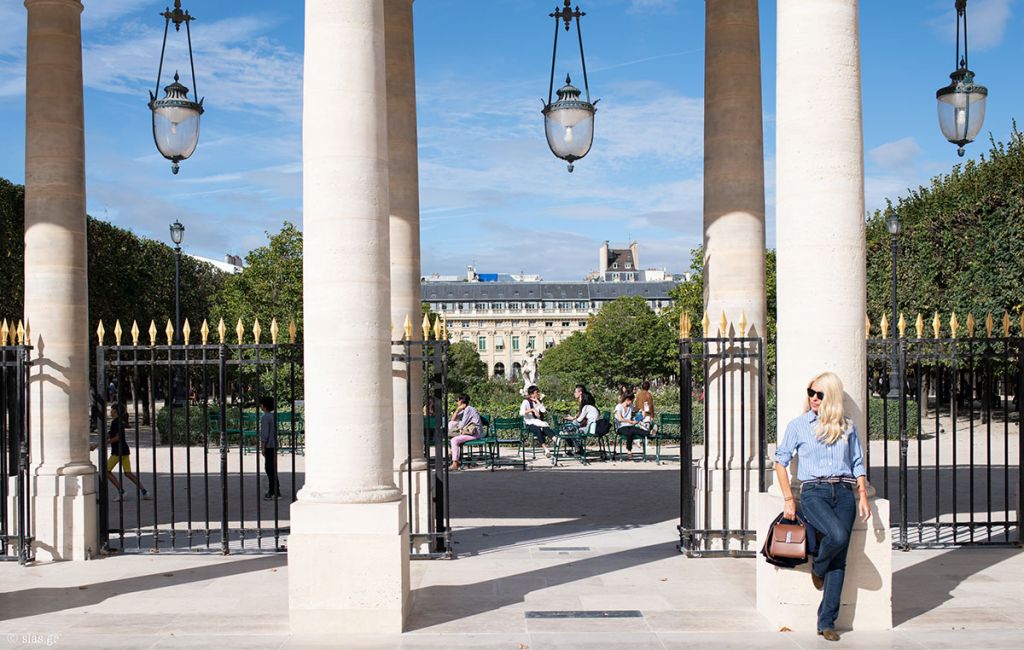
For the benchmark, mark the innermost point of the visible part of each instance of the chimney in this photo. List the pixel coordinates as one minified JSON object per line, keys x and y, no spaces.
{"x":602,"y":260}
{"x":634,"y":248}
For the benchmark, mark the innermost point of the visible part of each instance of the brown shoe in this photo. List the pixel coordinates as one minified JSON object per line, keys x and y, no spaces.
{"x":454,"y":465}
{"x":819,"y":581}
{"x":829,"y":634}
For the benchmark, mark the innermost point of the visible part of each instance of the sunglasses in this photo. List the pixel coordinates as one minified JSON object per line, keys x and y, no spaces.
{"x":811,"y":393}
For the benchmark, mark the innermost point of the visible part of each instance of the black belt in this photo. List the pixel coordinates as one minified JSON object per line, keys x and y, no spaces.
{"x":833,"y":480}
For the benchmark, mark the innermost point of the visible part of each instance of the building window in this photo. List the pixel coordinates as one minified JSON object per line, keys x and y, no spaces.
{"x":499,"y":370}
{"x":515,"y":343}
{"x":464,"y":323}
{"x":565,"y":323}
{"x":499,"y":343}
{"x":531,"y":343}
{"x":481,"y":343}
{"x":517,"y":370}
{"x":549,"y":342}
{"x":615,"y":265}
{"x":583,"y":323}
{"x":549,"y":323}
{"x":515,"y":305}
{"x":629,"y":265}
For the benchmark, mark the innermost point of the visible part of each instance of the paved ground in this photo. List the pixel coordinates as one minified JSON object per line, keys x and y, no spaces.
{"x":550,"y":539}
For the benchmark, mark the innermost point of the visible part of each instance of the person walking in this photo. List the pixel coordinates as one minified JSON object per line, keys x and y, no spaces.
{"x":268,"y":447}
{"x":120,"y":453}
{"x":833,"y":486}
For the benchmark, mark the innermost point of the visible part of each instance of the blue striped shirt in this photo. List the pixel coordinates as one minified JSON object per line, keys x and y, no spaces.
{"x":818,"y":460}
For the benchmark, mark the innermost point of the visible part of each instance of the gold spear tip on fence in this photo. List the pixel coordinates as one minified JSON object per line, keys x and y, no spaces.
{"x":867,"y":326}
{"x":222,"y":331}
{"x":152,"y":333}
{"x":425,"y":326}
{"x":885,"y":326}
{"x":169,"y":331}
{"x":444,"y":327}
{"x":135,"y":333}
{"x":919,"y":325}
{"x":989,"y":325}
{"x":1006,"y":324}
{"x":970,"y":325}
{"x":954,"y":324}
{"x":743,"y":323}
{"x":723,"y":325}
{"x":240,"y":331}
{"x":117,"y":332}
{"x":292,"y":330}
{"x":684,"y":325}
{"x":902,"y":325}
{"x":273,"y":331}
{"x":186,"y":331}
{"x":937,"y":325}
{"x":705,"y":324}
{"x":100,"y":332}
{"x":437,"y":328}
{"x":256,"y":331}
{"x":21,"y":333}
{"x":407,"y":328}
{"x":204,"y":331}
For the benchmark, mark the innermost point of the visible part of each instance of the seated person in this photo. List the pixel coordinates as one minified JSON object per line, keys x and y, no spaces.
{"x":532,"y":411}
{"x":625,"y":423}
{"x":586,"y":417}
{"x":464,"y":426}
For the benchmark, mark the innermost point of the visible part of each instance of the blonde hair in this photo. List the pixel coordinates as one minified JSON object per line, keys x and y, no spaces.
{"x":832,"y":422}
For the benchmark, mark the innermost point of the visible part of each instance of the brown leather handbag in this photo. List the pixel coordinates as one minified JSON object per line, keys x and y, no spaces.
{"x":787,"y":539}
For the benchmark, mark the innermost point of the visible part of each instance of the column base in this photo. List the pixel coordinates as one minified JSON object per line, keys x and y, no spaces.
{"x":416,"y":491}
{"x":348,"y":568}
{"x":787,"y":598}
{"x":64,"y":516}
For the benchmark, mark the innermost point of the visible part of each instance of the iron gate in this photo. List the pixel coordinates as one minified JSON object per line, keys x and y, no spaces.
{"x":711,"y":524}
{"x":944,"y":443}
{"x":430,"y":537}
{"x":15,"y":502}
{"x":192,"y":430}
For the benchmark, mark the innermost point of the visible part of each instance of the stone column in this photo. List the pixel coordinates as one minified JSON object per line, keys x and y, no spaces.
{"x":56,"y":286}
{"x":733,"y":254}
{"x":348,"y":559}
{"x":821,"y":275}
{"x":403,"y":193}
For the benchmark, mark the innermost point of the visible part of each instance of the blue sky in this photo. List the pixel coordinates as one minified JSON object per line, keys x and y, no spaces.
{"x":491,"y":193}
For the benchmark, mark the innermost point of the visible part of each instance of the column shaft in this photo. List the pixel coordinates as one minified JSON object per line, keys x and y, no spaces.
{"x":403,"y":193}
{"x":56,"y":286}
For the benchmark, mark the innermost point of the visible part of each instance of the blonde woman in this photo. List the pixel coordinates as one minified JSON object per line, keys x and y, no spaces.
{"x":833,"y":486}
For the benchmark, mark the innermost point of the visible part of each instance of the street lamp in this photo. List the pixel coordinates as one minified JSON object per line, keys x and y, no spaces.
{"x":177,"y":235}
{"x":569,"y":122}
{"x":892,"y":223}
{"x":175,"y":116}
{"x":961,"y":103}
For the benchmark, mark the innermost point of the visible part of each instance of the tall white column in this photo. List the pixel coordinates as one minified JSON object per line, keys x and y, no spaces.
{"x":404,"y":200}
{"x":821,"y":277}
{"x":348,"y":559}
{"x":56,"y":286}
{"x":733,"y":253}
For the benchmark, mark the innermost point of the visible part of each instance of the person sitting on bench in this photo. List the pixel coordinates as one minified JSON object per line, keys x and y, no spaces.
{"x":532,"y":411}
{"x":625,"y":424}
{"x":464,"y":426}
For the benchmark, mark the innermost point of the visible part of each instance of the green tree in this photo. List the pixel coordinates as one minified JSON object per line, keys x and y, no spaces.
{"x":960,"y":242}
{"x":12,"y":247}
{"x":465,"y":368}
{"x":569,"y":360}
{"x":269,"y":287}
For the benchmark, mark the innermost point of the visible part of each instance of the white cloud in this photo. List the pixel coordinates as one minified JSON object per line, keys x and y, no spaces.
{"x":897,"y":155}
{"x":986,"y":21}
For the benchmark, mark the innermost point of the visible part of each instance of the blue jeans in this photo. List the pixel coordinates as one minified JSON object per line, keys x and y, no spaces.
{"x":831,"y":509}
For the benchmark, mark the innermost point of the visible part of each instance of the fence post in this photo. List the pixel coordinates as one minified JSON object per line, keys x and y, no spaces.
{"x":222,"y":389}
{"x":1020,"y":447}
{"x":103,"y":529}
{"x":904,"y":442}
{"x":686,"y":443}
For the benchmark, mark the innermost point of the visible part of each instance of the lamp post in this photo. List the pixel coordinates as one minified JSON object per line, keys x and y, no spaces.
{"x":175,"y":116}
{"x":177,"y":235}
{"x":892,"y":223}
{"x":961,"y":104}
{"x":569,"y":122}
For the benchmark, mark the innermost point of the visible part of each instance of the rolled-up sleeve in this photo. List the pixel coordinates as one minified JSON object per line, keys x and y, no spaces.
{"x":784,"y":452}
{"x":856,"y":454}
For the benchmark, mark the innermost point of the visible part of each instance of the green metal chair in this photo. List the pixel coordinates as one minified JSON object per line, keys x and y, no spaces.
{"x":569,"y":432}
{"x":481,"y":450}
{"x":509,"y":432}
{"x":297,"y":442}
{"x":669,"y":427}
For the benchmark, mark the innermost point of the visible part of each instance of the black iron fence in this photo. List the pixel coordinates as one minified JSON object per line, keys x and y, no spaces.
{"x":15,"y":503}
{"x":723,"y":461}
{"x":179,"y":433}
{"x":944,"y":446}
{"x":430,"y":535}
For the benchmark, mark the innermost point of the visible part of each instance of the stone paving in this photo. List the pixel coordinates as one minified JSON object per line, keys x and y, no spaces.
{"x":550,"y":539}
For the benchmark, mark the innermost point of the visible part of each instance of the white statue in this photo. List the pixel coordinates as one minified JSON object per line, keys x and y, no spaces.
{"x":529,"y":371}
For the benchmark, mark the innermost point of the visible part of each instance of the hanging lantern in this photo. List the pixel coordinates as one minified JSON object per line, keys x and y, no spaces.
{"x":569,"y":122}
{"x":175,"y":116}
{"x":962,"y":103}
